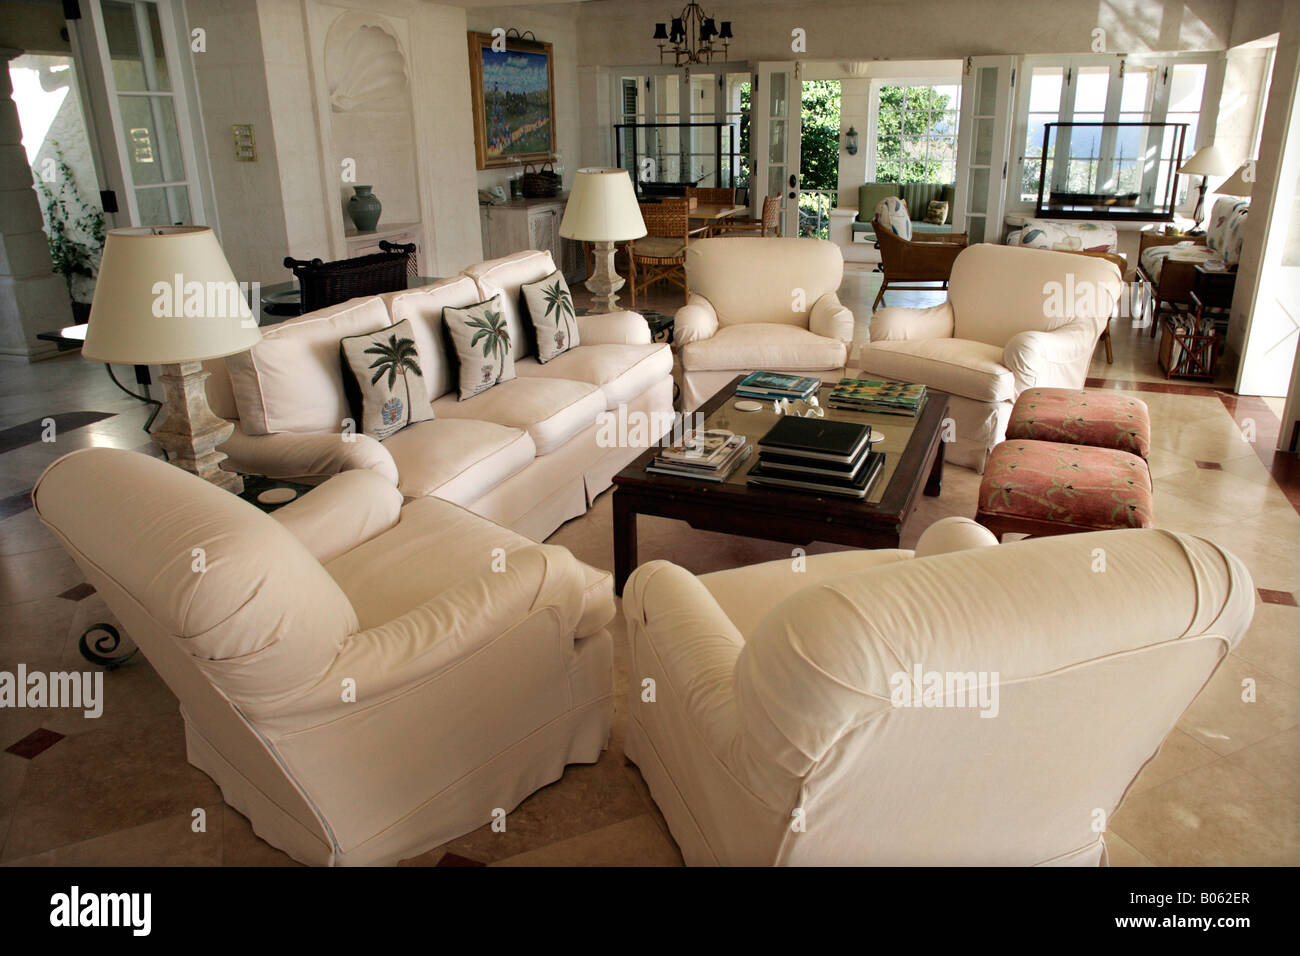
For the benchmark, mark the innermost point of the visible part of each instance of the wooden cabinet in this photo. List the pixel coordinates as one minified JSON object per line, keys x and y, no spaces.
{"x":531,"y":224}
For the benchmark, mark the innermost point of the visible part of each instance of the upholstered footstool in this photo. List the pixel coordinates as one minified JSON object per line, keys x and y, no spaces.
{"x":1043,"y":487}
{"x":1082,"y":416}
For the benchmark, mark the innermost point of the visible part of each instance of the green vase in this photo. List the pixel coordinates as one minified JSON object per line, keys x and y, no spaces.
{"x":364,"y":208}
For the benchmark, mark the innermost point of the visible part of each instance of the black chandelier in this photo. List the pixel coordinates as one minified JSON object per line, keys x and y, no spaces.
{"x":693,"y":37}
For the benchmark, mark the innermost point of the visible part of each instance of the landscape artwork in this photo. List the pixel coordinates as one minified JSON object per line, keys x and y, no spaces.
{"x":514,"y":101}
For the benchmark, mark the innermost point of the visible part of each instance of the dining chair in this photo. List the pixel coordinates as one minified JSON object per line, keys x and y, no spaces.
{"x":661,"y":253}
{"x":768,"y":224}
{"x":716,"y":196}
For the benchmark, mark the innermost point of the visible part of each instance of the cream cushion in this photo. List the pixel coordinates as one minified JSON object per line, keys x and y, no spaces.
{"x":956,"y":366}
{"x":763,"y":346}
{"x":292,"y":380}
{"x":551,"y":410}
{"x":458,"y":459}
{"x":507,"y":275}
{"x":622,"y":372}
{"x":423,"y":307}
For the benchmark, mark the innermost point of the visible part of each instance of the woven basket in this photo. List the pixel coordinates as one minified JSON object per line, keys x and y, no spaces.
{"x":540,"y":183}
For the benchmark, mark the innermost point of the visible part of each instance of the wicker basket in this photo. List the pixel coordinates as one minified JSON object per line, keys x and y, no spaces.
{"x":540,"y":183}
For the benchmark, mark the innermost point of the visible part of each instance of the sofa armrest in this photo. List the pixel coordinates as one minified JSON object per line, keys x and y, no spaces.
{"x":613,"y":328}
{"x":696,"y":320}
{"x":955,"y":533}
{"x":830,"y":319}
{"x":294,"y":457}
{"x":693,"y":641}
{"x":1056,"y":359}
{"x":541,"y":590}
{"x":341,"y":513}
{"x":897,"y":324}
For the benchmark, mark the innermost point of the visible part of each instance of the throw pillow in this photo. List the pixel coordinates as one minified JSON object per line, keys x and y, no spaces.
{"x":936,"y":214}
{"x":383,"y":380}
{"x":551,"y":309}
{"x":482,"y":342}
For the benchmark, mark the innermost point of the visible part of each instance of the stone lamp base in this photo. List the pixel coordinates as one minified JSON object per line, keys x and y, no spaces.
{"x":604,"y":281}
{"x":190,"y":431}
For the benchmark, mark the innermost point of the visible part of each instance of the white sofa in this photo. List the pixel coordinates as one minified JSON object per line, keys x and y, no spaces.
{"x":760,"y":304}
{"x":364,"y":681}
{"x":1015,"y":318}
{"x":525,"y":453}
{"x":778,"y":733}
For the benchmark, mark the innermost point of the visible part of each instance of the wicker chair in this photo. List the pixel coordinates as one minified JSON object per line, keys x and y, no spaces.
{"x":769,"y":224}
{"x":714,"y":196}
{"x":926,"y":257}
{"x":661,"y":255}
{"x":324,"y":284}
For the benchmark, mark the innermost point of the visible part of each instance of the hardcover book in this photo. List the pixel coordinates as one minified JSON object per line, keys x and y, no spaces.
{"x":822,"y":439}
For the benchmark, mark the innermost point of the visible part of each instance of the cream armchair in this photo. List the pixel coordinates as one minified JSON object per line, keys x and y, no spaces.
{"x":364,"y":681}
{"x":790,"y":720}
{"x":760,"y":304}
{"x":1015,"y":318}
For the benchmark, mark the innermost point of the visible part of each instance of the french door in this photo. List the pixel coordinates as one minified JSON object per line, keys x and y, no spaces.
{"x":138,"y":112}
{"x":983,"y":146}
{"x":776,"y":126}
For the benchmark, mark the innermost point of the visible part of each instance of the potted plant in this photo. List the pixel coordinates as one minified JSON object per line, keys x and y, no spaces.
{"x":75,"y":231}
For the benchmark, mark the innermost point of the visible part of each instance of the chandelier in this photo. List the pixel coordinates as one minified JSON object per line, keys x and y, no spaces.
{"x":693,"y":37}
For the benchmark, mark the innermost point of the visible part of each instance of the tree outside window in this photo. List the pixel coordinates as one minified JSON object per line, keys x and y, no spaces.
{"x":916,"y":134}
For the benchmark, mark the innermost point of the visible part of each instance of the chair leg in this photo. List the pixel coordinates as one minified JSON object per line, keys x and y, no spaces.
{"x":631,"y":280}
{"x":1105,"y":337}
{"x":880,"y":296}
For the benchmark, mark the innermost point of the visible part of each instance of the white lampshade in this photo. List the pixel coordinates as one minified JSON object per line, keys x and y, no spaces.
{"x":165,"y":295}
{"x":602,"y":207}
{"x":1207,"y":161}
{"x":1236,"y":184}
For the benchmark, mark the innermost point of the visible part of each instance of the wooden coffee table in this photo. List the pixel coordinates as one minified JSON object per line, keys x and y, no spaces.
{"x":913,"y":462}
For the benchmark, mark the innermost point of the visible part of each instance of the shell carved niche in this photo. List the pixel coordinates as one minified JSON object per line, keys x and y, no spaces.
{"x":364,"y":68}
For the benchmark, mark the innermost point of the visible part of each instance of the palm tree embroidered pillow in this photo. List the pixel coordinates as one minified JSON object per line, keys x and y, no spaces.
{"x":483,"y":347}
{"x":384,"y":381}
{"x":551,"y":308}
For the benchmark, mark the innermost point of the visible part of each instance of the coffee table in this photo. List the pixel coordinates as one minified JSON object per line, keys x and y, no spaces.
{"x":914,"y":453}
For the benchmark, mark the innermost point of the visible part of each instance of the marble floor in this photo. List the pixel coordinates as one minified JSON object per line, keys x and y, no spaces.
{"x":1224,"y":790}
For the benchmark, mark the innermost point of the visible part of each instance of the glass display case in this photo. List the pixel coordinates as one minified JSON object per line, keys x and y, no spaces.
{"x":665,"y":158}
{"x":1110,"y":170}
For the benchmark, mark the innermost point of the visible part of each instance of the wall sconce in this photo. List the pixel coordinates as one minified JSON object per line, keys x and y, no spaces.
{"x":851,"y":142}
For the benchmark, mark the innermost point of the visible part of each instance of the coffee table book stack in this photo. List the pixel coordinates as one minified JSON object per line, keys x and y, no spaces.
{"x":817,"y":455}
{"x":882,"y":398}
{"x":774,"y":386}
{"x":709,"y":455}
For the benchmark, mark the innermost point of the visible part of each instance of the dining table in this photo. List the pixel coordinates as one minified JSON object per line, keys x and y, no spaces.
{"x":706,"y":215}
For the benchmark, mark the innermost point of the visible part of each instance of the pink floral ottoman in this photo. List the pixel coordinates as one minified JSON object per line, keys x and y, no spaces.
{"x":1043,"y":487}
{"x":1081,"y":416}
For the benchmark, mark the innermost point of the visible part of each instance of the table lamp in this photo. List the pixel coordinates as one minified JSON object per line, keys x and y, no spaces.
{"x":603,"y":209}
{"x":1237,"y":184}
{"x":166,"y":296}
{"x":1205,"y":162}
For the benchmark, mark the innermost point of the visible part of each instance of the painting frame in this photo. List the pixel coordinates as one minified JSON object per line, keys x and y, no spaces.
{"x":480,"y":52}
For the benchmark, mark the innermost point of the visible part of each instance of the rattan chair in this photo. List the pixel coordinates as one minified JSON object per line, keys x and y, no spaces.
{"x":714,"y":196}
{"x":323,"y":284}
{"x":769,"y":224}
{"x":661,"y":255}
{"x":926,"y":257}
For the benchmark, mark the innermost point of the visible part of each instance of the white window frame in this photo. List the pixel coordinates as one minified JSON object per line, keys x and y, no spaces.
{"x":873,"y":113}
{"x":1214,"y":63}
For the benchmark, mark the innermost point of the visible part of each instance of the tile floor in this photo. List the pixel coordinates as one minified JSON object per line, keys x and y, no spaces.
{"x":1225,"y":789}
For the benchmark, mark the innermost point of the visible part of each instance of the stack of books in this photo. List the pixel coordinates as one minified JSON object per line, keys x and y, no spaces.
{"x":886,"y":398}
{"x":709,"y":455}
{"x":819,"y":455}
{"x":771,"y":386}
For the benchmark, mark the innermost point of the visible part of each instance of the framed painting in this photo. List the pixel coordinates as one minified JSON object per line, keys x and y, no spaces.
{"x":513,"y":90}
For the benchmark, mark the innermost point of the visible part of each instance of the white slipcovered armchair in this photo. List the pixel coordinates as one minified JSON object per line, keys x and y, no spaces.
{"x":793,"y":720}
{"x":1015,"y":318}
{"x":364,"y":681}
{"x":760,"y":304}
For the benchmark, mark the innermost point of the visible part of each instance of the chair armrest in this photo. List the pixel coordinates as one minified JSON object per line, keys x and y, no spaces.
{"x":341,"y":513}
{"x":898,"y":324}
{"x":1056,"y":359}
{"x":613,"y":328}
{"x":541,"y":587}
{"x":293,"y":457}
{"x":694,"y":321}
{"x":695,"y":643}
{"x":955,"y":533}
{"x":830,"y":319}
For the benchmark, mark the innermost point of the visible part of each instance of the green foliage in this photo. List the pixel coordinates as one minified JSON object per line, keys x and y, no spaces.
{"x":898,"y":130}
{"x":67,"y":216}
{"x":819,"y":146}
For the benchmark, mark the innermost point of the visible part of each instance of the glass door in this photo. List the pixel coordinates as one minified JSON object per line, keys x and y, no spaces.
{"x":138,"y":111}
{"x":984,"y":136}
{"x":777,"y":127}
